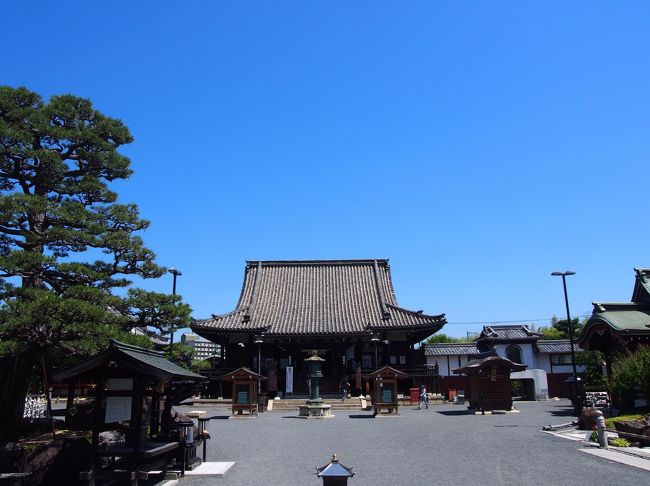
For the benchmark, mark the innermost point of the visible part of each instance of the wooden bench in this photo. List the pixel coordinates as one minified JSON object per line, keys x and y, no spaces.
{"x":152,"y":454}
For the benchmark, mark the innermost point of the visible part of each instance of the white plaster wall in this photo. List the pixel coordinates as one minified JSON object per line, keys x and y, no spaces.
{"x":527,"y":353}
{"x":454,"y":360}
{"x":544,"y":362}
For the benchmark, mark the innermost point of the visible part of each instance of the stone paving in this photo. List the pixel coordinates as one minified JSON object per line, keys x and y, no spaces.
{"x":441,"y":445}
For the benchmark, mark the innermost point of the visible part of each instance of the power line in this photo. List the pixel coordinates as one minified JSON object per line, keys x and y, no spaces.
{"x":545,"y":319}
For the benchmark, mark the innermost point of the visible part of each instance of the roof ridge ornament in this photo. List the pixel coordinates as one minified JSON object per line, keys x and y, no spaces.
{"x":641,"y":274}
{"x":385,"y":315}
{"x":251,"y":302}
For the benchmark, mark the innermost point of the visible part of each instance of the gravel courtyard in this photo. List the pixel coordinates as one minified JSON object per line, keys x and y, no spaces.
{"x":441,"y":445}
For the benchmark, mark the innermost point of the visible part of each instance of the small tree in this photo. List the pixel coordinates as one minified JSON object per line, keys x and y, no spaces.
{"x":550,"y":332}
{"x":631,"y":375}
{"x":593,"y":361}
{"x":560,"y":330}
{"x":444,"y":338}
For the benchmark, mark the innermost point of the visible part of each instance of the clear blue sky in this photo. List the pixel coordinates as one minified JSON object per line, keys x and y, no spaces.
{"x":478,"y":145}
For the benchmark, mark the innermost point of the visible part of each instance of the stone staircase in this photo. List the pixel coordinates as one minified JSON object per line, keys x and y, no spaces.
{"x":292,"y":404}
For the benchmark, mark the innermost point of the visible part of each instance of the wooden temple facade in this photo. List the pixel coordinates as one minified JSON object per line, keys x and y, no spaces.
{"x":345,"y":311}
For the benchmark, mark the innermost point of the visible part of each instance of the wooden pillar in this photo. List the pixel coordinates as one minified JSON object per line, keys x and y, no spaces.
{"x":155,"y":412}
{"x":136,"y":426}
{"x":167,"y":410}
{"x":71,"y":391}
{"x":98,"y":424}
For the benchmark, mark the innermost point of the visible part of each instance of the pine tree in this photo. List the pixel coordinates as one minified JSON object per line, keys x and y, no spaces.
{"x":56,"y":211}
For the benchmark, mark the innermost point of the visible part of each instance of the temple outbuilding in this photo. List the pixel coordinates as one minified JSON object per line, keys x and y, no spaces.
{"x":489,"y":382}
{"x":616,"y":327}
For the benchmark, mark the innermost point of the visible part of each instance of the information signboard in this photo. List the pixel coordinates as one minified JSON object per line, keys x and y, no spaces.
{"x":289,"y":381}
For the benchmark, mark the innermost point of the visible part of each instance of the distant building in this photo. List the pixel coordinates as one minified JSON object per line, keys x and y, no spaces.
{"x":157,"y":339}
{"x":549,"y":362}
{"x":203,"y":349}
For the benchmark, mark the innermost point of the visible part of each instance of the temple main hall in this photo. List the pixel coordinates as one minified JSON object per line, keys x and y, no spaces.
{"x":344,"y":311}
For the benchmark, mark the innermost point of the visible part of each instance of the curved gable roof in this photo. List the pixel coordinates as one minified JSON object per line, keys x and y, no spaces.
{"x":307,"y":297}
{"x":622,"y":318}
{"x":619,"y":317}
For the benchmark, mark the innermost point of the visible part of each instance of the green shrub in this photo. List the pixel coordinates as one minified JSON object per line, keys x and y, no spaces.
{"x":609,"y":422}
{"x":631,"y":374}
{"x":619,"y":442}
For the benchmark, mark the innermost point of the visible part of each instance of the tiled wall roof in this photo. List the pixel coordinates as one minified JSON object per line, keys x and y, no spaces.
{"x":557,"y":346}
{"x":450,"y":349}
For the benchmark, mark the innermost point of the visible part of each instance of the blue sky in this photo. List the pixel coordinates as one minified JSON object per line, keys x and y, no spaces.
{"x":478,"y":145}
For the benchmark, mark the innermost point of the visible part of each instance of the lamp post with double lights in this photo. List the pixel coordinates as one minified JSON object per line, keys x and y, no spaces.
{"x":564,"y":275}
{"x":176,"y":273}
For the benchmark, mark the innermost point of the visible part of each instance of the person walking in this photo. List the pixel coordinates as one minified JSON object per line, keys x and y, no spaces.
{"x":424,"y":398}
{"x":344,"y":387}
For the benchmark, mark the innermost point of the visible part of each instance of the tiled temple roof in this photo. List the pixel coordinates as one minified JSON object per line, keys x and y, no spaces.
{"x":318,"y":297}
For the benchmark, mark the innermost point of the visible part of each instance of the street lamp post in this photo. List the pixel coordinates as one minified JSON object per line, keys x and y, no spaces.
{"x":176,"y":273}
{"x":568,"y":316}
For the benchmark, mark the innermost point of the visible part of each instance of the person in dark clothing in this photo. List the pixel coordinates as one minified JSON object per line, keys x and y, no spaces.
{"x":344,"y":387}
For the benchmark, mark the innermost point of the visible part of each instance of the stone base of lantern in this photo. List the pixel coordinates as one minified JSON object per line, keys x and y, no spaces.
{"x":316,"y":409}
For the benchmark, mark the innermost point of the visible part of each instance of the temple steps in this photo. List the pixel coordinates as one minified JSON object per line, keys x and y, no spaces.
{"x":335,"y":403}
{"x":284,"y":404}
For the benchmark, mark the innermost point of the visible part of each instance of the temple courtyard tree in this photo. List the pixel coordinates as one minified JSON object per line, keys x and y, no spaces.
{"x":66,"y":244}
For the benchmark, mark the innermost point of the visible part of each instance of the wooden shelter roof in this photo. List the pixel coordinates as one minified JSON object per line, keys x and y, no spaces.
{"x":387,"y":371}
{"x":143,"y":362}
{"x":318,"y":297}
{"x":242,"y":372}
{"x":476,"y":366}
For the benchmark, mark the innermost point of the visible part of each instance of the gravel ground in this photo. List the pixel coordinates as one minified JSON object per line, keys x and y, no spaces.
{"x":442,"y":445}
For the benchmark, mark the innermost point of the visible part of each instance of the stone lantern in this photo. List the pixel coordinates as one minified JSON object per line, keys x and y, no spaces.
{"x":315,"y":374}
{"x":315,"y":406}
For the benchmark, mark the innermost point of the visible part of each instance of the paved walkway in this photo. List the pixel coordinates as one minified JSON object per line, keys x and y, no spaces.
{"x":632,"y":456}
{"x":441,"y":445}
